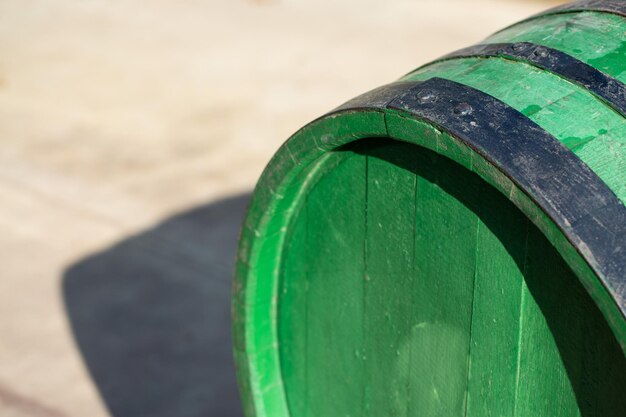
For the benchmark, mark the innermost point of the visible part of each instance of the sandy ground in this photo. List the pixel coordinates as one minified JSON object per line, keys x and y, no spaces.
{"x":131,"y":135}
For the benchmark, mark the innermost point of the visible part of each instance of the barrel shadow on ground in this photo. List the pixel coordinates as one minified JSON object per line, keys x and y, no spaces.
{"x":151,"y":316}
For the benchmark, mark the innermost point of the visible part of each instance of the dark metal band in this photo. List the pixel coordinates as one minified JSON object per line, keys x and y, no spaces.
{"x":617,"y":7}
{"x":588,"y":213}
{"x":609,"y":89}
{"x":606,"y":6}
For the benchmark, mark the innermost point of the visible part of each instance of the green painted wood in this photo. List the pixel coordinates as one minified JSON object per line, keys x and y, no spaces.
{"x":293,"y":304}
{"x":445,"y":239}
{"x":376,"y":277}
{"x":335,"y":249}
{"x":501,"y":252}
{"x":389,"y":278}
{"x":441,"y":299}
{"x":563,"y":330}
{"x":433,"y":142}
{"x":595,"y":38}
{"x":540,"y":360}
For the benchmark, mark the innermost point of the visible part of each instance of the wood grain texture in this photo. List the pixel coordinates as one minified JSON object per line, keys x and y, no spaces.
{"x":389,"y":279}
{"x":445,"y":240}
{"x":500,"y":263}
{"x":595,"y":38}
{"x":428,"y":296}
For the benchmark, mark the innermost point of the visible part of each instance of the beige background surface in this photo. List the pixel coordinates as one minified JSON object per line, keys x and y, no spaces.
{"x":131,"y":133}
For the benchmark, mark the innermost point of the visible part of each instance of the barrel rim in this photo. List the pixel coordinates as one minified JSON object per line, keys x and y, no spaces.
{"x":377,"y":114}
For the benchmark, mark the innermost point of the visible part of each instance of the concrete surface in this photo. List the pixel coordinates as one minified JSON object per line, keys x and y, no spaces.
{"x":132,"y":133}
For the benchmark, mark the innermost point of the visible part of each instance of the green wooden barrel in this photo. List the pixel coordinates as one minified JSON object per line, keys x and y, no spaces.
{"x":450,"y":244}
